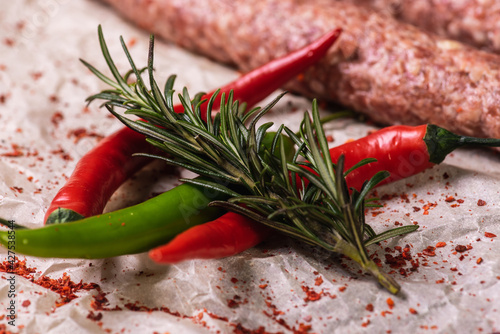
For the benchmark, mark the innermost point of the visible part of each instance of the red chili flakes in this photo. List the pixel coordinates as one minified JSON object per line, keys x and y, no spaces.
{"x":63,"y":286}
{"x":93,"y":316}
{"x":479,"y":260}
{"x":329,"y":138}
{"x":384,"y":313}
{"x":3,"y":329}
{"x":234,"y":280}
{"x":80,"y":133}
{"x":236,"y":301}
{"x":263,"y":286}
{"x":429,"y":251}
{"x":311,"y":294}
{"x":369,"y":308}
{"x":461,"y":248}
{"x":390,"y":302}
{"x":440,"y":244}
{"x":450,"y":199}
{"x":56,"y":118}
{"x":427,"y":207}
{"x":8,"y":41}
{"x":377,"y":212}
{"x":400,"y":261}
{"x":18,"y":189}
{"x":26,"y":303}
{"x":274,"y":309}
{"x":342,"y":288}
{"x":481,"y":203}
{"x":36,"y":75}
{"x":318,"y":281}
{"x":62,"y":154}
{"x":489,"y":235}
{"x":366,"y":323}
{"x":131,"y":42}
{"x":16,"y":152}
{"x":303,"y":328}
{"x":413,"y":311}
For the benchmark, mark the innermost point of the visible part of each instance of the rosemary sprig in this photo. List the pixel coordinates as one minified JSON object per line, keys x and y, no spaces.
{"x":262,"y":184}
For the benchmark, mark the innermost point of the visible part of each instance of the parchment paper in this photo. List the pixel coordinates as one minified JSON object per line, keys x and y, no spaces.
{"x":281,"y":285}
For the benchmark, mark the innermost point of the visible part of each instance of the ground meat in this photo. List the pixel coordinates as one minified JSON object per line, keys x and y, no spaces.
{"x":476,"y":22}
{"x":391,"y":71}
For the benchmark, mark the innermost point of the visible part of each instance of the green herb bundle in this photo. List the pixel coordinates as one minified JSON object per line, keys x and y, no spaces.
{"x":312,"y":204}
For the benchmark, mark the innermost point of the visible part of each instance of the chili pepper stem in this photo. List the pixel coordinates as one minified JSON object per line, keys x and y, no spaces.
{"x":441,"y":142}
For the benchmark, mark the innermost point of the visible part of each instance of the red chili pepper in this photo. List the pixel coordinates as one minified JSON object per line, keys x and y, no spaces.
{"x":101,"y":171}
{"x":97,"y":175}
{"x":256,"y":85}
{"x":228,"y":235}
{"x":401,"y":150}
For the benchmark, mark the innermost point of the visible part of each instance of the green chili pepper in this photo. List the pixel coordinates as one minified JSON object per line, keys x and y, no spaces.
{"x":132,"y":230}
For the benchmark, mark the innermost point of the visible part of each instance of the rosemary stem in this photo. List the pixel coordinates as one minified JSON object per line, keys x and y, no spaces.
{"x":368,"y":265}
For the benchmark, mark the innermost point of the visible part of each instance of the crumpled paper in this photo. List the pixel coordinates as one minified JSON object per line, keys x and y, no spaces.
{"x":279,"y":286}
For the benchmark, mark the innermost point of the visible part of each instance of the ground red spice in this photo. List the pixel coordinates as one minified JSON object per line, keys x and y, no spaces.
{"x":18,"y":189}
{"x":94,"y":316}
{"x":81,"y":133}
{"x":16,"y":152}
{"x":440,"y":244}
{"x":390,"y":302}
{"x":4,"y":330}
{"x":57,"y":118}
{"x":461,"y":248}
{"x":36,"y":75}
{"x":489,"y":235}
{"x":429,"y":251}
{"x":236,"y":301}
{"x":399,"y":261}
{"x":62,"y":154}
{"x":481,"y":203}
{"x":311,"y":295}
{"x":62,"y":286}
{"x":131,"y":42}
{"x":100,"y":303}
{"x":238,"y":328}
